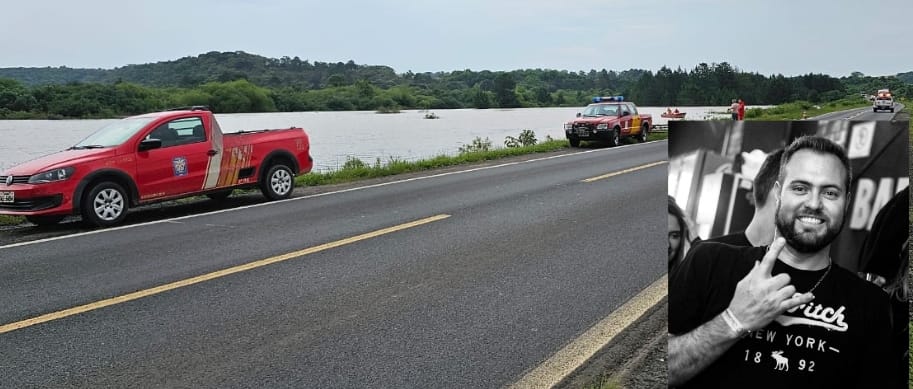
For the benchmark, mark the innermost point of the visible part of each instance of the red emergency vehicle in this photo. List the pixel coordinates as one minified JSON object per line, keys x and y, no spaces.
{"x":149,"y":158}
{"x":608,"y":119}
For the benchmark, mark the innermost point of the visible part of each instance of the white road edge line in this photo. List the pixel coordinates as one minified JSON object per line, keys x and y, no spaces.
{"x":550,"y":372}
{"x":174,"y":220}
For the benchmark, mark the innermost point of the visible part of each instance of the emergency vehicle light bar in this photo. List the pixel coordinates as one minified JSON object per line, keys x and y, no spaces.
{"x":598,"y":99}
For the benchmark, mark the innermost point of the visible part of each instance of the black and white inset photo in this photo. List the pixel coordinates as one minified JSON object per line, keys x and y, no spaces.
{"x":788,"y":254}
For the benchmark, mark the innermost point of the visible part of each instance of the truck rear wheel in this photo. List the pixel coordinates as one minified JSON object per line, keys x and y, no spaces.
{"x":104,"y":205}
{"x":278,"y":182}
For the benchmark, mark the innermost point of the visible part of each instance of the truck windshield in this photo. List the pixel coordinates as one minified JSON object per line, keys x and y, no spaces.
{"x":113,"y":134}
{"x":601,"y":110}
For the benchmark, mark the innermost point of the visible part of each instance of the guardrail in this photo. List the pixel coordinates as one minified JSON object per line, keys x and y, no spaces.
{"x":660,"y":128}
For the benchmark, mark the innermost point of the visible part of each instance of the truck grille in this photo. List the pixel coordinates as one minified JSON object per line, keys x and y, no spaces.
{"x":583,"y":129}
{"x":16,"y":180}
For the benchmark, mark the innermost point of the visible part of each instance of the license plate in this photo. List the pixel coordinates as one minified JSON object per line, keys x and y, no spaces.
{"x":7,"y":197}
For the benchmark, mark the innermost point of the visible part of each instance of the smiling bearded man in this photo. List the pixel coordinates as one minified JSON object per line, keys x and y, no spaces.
{"x":810,"y":226}
{"x":786,"y":315}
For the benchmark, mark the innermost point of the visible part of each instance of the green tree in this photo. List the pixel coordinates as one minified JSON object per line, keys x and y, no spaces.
{"x":336,"y":80}
{"x":505,"y":93}
{"x":238,"y":96}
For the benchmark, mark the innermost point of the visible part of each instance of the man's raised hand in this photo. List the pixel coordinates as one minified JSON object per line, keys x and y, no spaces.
{"x":760,"y":297}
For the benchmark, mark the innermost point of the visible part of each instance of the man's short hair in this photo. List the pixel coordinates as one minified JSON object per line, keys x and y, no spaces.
{"x":767,"y":176}
{"x":820,"y":145}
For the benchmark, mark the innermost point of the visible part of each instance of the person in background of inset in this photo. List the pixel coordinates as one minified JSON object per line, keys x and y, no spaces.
{"x":741,"y":109}
{"x":884,"y":260}
{"x":680,"y":234}
{"x":760,"y":231}
{"x":734,"y":109}
{"x":785,"y":315}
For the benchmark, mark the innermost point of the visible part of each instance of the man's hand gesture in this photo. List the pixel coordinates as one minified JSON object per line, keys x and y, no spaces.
{"x":759,"y":297}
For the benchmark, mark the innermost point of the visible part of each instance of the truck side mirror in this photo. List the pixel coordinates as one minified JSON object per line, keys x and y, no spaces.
{"x":149,"y":144}
{"x":579,"y":114}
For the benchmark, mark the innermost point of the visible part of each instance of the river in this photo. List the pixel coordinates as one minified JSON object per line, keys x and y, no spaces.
{"x":336,"y":136}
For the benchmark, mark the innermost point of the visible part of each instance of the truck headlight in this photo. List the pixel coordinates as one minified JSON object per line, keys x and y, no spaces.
{"x":602,"y":126}
{"x":51,"y":175}
{"x":568,"y":126}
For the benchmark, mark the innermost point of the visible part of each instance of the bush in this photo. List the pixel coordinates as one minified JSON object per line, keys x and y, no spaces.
{"x":478,"y":144}
{"x":526,"y":138}
{"x":353,"y":163}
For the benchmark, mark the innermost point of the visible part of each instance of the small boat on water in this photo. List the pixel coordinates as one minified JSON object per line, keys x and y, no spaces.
{"x":431,"y":115}
{"x":673,"y":115}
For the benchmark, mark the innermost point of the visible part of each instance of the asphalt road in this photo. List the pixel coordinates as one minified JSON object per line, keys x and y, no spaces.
{"x":862,"y":114}
{"x":523,"y":259}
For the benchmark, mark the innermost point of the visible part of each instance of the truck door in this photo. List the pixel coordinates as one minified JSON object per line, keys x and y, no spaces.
{"x":179,"y":166}
{"x":627,"y":117}
{"x":635,"y":120}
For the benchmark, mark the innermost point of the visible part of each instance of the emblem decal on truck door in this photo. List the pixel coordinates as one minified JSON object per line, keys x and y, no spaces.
{"x":179,"y":164}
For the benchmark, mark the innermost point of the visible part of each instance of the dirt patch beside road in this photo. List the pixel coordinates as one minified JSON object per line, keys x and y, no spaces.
{"x":636,"y":358}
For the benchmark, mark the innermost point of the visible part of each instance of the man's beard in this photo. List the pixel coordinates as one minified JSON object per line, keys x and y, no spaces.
{"x":805,"y":242}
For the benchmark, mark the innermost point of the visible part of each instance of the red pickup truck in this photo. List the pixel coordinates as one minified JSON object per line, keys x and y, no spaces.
{"x":149,"y":158}
{"x":608,"y":119}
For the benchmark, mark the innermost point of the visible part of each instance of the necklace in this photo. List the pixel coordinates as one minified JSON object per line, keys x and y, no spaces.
{"x":829,"y":263}
{"x":822,"y":276}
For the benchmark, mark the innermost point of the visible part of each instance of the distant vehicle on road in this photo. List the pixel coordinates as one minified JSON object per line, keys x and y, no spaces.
{"x":608,"y":119}
{"x":884,"y":101}
{"x":150,"y":158}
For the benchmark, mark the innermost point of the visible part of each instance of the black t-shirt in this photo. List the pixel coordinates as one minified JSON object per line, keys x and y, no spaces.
{"x":839,"y":340}
{"x":735,"y":239}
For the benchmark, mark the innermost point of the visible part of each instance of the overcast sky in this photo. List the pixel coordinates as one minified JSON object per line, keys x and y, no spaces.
{"x":789,"y":37}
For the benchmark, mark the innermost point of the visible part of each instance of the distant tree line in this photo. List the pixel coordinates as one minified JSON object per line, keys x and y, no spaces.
{"x":241,"y":82}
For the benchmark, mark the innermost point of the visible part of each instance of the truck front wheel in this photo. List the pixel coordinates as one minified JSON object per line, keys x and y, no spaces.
{"x":615,"y":140}
{"x":574,"y":142}
{"x":105,"y":205}
{"x":278,"y":182}
{"x":644,"y":129}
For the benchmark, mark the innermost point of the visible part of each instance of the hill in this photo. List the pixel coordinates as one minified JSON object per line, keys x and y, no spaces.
{"x":212,"y":67}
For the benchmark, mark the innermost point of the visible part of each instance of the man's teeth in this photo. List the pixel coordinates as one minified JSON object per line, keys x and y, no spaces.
{"x":811,"y":220}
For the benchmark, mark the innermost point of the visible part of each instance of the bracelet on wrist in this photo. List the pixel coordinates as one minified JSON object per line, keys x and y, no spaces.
{"x":734,"y":324}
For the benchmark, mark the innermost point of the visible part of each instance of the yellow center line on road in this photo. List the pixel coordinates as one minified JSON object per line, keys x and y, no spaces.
{"x":613,"y":174}
{"x":575,"y":354}
{"x":211,"y":276}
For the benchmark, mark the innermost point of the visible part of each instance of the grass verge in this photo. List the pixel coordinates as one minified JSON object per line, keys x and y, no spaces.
{"x":795,"y":110}
{"x":359,"y":170}
{"x":10,"y":220}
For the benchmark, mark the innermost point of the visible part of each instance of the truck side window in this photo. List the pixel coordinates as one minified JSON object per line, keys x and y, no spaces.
{"x":164,"y":133}
{"x":186,"y":131}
